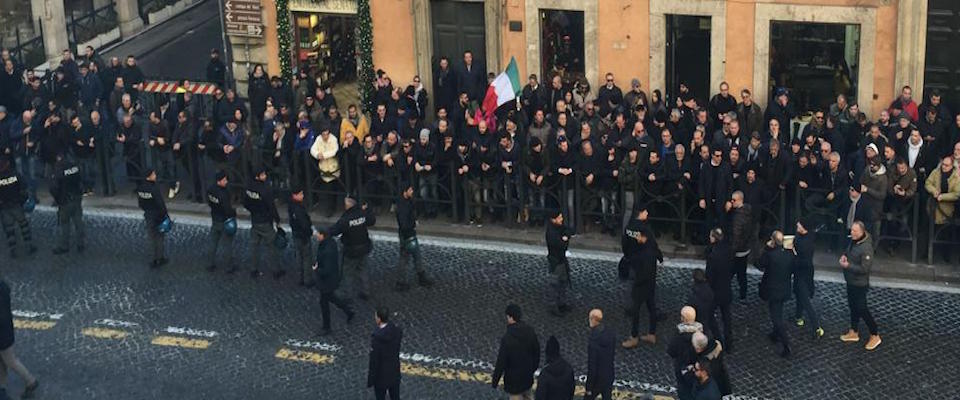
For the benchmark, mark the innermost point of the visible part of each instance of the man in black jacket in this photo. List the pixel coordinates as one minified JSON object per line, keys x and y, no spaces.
{"x":777,"y":266}
{"x":715,"y":188}
{"x":741,"y":239}
{"x":383,"y":373}
{"x":643,"y":263}
{"x":67,"y":191}
{"x":558,"y":239}
{"x":356,"y":242}
{"x":600,"y":354}
{"x":258,"y":199}
{"x":302,"y":230}
{"x":719,"y":273}
{"x":221,"y":210}
{"x":803,"y":286}
{"x":13,"y":193}
{"x":409,"y":246}
{"x":518,"y":357}
{"x":150,"y":199}
{"x":555,"y":381}
{"x":327,"y":267}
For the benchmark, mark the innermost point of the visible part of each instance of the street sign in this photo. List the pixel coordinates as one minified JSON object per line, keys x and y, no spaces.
{"x":242,"y":18}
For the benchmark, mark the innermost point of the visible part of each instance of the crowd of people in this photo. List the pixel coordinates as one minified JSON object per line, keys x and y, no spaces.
{"x":620,"y":153}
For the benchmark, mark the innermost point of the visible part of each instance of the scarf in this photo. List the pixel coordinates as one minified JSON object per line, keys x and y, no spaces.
{"x":913,"y":151}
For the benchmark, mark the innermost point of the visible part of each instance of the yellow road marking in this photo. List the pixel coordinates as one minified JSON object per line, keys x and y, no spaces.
{"x":451,"y":374}
{"x":104,"y":333}
{"x":34,"y":325}
{"x":305,"y":356}
{"x":180,"y":342}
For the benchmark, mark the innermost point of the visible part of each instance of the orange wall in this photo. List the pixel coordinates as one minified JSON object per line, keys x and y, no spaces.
{"x":270,"y":36}
{"x":884,"y":75}
{"x":514,"y":44}
{"x":738,"y":70}
{"x":393,"y":39}
{"x":623,"y":41}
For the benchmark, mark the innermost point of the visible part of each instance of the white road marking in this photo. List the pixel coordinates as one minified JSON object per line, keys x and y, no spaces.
{"x":115,"y":323}
{"x":190,"y":332}
{"x":333,"y":348}
{"x":446,"y":362}
{"x":37,"y":315}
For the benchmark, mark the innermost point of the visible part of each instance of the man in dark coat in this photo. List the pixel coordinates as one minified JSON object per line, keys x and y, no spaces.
{"x":471,"y":78}
{"x":356,"y":242}
{"x":383,"y":373}
{"x":518,"y":357}
{"x":719,"y":274}
{"x":701,"y":299}
{"x":301,"y":228}
{"x":409,"y":245}
{"x":67,"y":190}
{"x":221,"y":210}
{"x":556,"y":378}
{"x":803,"y":286}
{"x":643,"y":264}
{"x":6,"y":345}
{"x":558,"y":239}
{"x":216,"y":70}
{"x":327,"y":267}
{"x":13,"y":194}
{"x":600,"y":356}
{"x":264,"y":218}
{"x":777,"y":266}
{"x":741,"y":238}
{"x":150,"y":199}
{"x":682,"y":352}
{"x":445,"y":85}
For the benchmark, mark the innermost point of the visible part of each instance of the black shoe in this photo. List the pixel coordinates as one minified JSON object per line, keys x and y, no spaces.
{"x":565,"y":308}
{"x":424,"y":281}
{"x":154,"y":264}
{"x":81,"y":248}
{"x":163,"y":261}
{"x":279,"y":274}
{"x":255,"y":274}
{"x":212,"y":267}
{"x":401,"y":287}
{"x":350,"y":315}
{"x":556,"y":312}
{"x":29,"y":390}
{"x":60,"y":250}
{"x":786,"y":352}
{"x":772,"y":337}
{"x":324,"y":332}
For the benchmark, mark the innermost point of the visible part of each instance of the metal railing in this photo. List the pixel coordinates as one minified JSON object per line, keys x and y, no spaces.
{"x":88,"y":26}
{"x":29,"y":52}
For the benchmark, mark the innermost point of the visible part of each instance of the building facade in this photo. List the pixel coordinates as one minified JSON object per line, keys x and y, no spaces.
{"x":866,"y":49}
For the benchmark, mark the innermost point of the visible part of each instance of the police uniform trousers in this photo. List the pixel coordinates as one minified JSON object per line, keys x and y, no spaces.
{"x":70,"y":216}
{"x":15,"y":221}
{"x":155,"y":237}
{"x":640,"y":295}
{"x":356,"y":275}
{"x":409,"y":250}
{"x":264,"y":235}
{"x":217,"y":234}
{"x":305,"y":259}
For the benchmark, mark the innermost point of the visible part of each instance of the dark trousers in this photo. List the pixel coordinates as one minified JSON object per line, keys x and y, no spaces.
{"x":740,"y":270}
{"x":727,"y":338}
{"x":218,"y":234}
{"x":263,"y":235}
{"x":605,"y":394}
{"x":70,"y":217}
{"x":155,"y":237}
{"x":857,"y":299}
{"x":640,"y":297}
{"x":305,"y":263}
{"x":327,"y":298}
{"x":14,"y":223}
{"x":803,"y":291}
{"x":381,"y":392}
{"x":776,"y":318}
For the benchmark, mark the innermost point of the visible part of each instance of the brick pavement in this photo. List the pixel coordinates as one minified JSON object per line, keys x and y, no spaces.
{"x":230,"y":337}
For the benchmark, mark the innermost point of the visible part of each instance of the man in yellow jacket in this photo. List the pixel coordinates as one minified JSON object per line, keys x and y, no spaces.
{"x":356,"y":123}
{"x":325,"y":149}
{"x":944,"y":188}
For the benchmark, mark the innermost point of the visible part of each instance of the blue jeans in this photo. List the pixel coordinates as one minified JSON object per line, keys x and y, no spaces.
{"x":27,"y":168}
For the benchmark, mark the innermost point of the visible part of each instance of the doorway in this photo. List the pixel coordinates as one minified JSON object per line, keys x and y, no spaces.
{"x":458,"y":26}
{"x":561,"y":45}
{"x":688,"y":55}
{"x":942,"y":66}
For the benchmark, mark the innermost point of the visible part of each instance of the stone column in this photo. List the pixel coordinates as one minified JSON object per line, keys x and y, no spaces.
{"x":128,"y":16}
{"x":423,"y":46}
{"x":53,"y":18}
{"x":911,"y":45}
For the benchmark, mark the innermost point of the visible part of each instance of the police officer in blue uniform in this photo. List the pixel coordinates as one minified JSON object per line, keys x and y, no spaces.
{"x":155,"y":218}
{"x":13,"y":195}
{"x":357,"y":245}
{"x":224,"y":224}
{"x":259,"y":200}
{"x":67,"y":190}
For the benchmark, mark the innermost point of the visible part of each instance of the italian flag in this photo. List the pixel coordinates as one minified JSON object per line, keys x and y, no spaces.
{"x":504,"y":88}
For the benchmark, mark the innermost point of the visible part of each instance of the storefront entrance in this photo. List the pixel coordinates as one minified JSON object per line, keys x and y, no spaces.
{"x":561,"y":45}
{"x":814,"y":61}
{"x":325,"y":46}
{"x":458,"y":26}
{"x":688,"y":55}
{"x":942,"y":66}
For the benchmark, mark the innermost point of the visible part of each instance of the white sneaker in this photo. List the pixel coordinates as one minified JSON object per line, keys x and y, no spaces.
{"x":171,"y":193}
{"x":176,"y":188}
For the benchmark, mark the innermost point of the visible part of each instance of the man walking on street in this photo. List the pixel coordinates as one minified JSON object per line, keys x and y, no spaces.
{"x":301,"y":227}
{"x":13,"y":194}
{"x":518,"y":357}
{"x":409,"y":246}
{"x":856,"y":263}
{"x":643,"y":263}
{"x":327,"y":267}
{"x":558,"y":239}
{"x":224,"y":224}
{"x":600,"y":354}
{"x":258,"y":200}
{"x":718,"y":270}
{"x":67,"y":190}
{"x":741,"y":238}
{"x":383,"y":374}
{"x":356,"y":242}
{"x":803,"y":276}
{"x":777,"y":266}
{"x":156,"y":221}
{"x":555,"y":381}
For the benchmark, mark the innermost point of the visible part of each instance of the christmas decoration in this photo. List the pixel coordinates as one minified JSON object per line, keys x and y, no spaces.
{"x":284,"y":37}
{"x":364,"y":39}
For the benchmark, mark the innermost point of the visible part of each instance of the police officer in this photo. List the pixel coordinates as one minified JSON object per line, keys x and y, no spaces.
{"x":628,"y":244}
{"x":13,"y":195}
{"x":150,"y":199}
{"x":302,"y":229}
{"x":558,"y":240}
{"x":356,"y":242}
{"x":409,"y":246}
{"x":224,"y":221}
{"x":643,"y":263}
{"x":327,"y":267}
{"x":67,"y":190}
{"x":777,"y":266}
{"x":258,"y":199}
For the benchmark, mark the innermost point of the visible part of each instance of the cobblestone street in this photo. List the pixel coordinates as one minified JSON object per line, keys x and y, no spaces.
{"x":104,"y":326}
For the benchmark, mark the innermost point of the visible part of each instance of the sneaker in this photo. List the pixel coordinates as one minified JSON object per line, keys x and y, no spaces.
{"x":873,"y":342}
{"x":630,"y":343}
{"x":785,"y":353}
{"x":176,"y":189}
{"x":29,"y":390}
{"x":350,"y":315}
{"x":256,"y":274}
{"x":851,"y":336}
{"x":59,"y":250}
{"x":171,"y":194}
{"x":800,"y":322}
{"x":649,"y":338}
{"x":818,"y":333}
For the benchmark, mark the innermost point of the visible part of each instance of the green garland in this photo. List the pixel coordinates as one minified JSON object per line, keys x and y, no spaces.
{"x":365,"y":48}
{"x":284,"y":37}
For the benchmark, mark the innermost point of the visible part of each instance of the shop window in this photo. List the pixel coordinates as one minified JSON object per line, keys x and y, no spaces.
{"x":814,"y":61}
{"x":325,"y":46}
{"x":561,"y":44}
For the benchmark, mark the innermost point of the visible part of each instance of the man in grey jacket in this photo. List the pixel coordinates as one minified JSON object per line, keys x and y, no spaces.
{"x":856,"y":263}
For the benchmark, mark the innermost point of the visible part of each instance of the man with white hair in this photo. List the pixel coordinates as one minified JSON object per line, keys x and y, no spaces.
{"x":711,"y":351}
{"x":681,"y":349}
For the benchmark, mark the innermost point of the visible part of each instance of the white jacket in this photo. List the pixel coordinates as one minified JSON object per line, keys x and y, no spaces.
{"x":326,"y":152}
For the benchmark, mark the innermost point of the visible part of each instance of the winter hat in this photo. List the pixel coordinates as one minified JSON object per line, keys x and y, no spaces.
{"x":556,"y":212}
{"x":634,"y":82}
{"x":553,"y":348}
{"x":513,"y":311}
{"x":303,"y":124}
{"x":220,"y":175}
{"x":3,"y":109}
{"x":806,"y":222}
{"x":424,"y":134}
{"x":854,"y":188}
{"x":535,"y":141}
{"x":296,"y":188}
{"x":873,"y":146}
